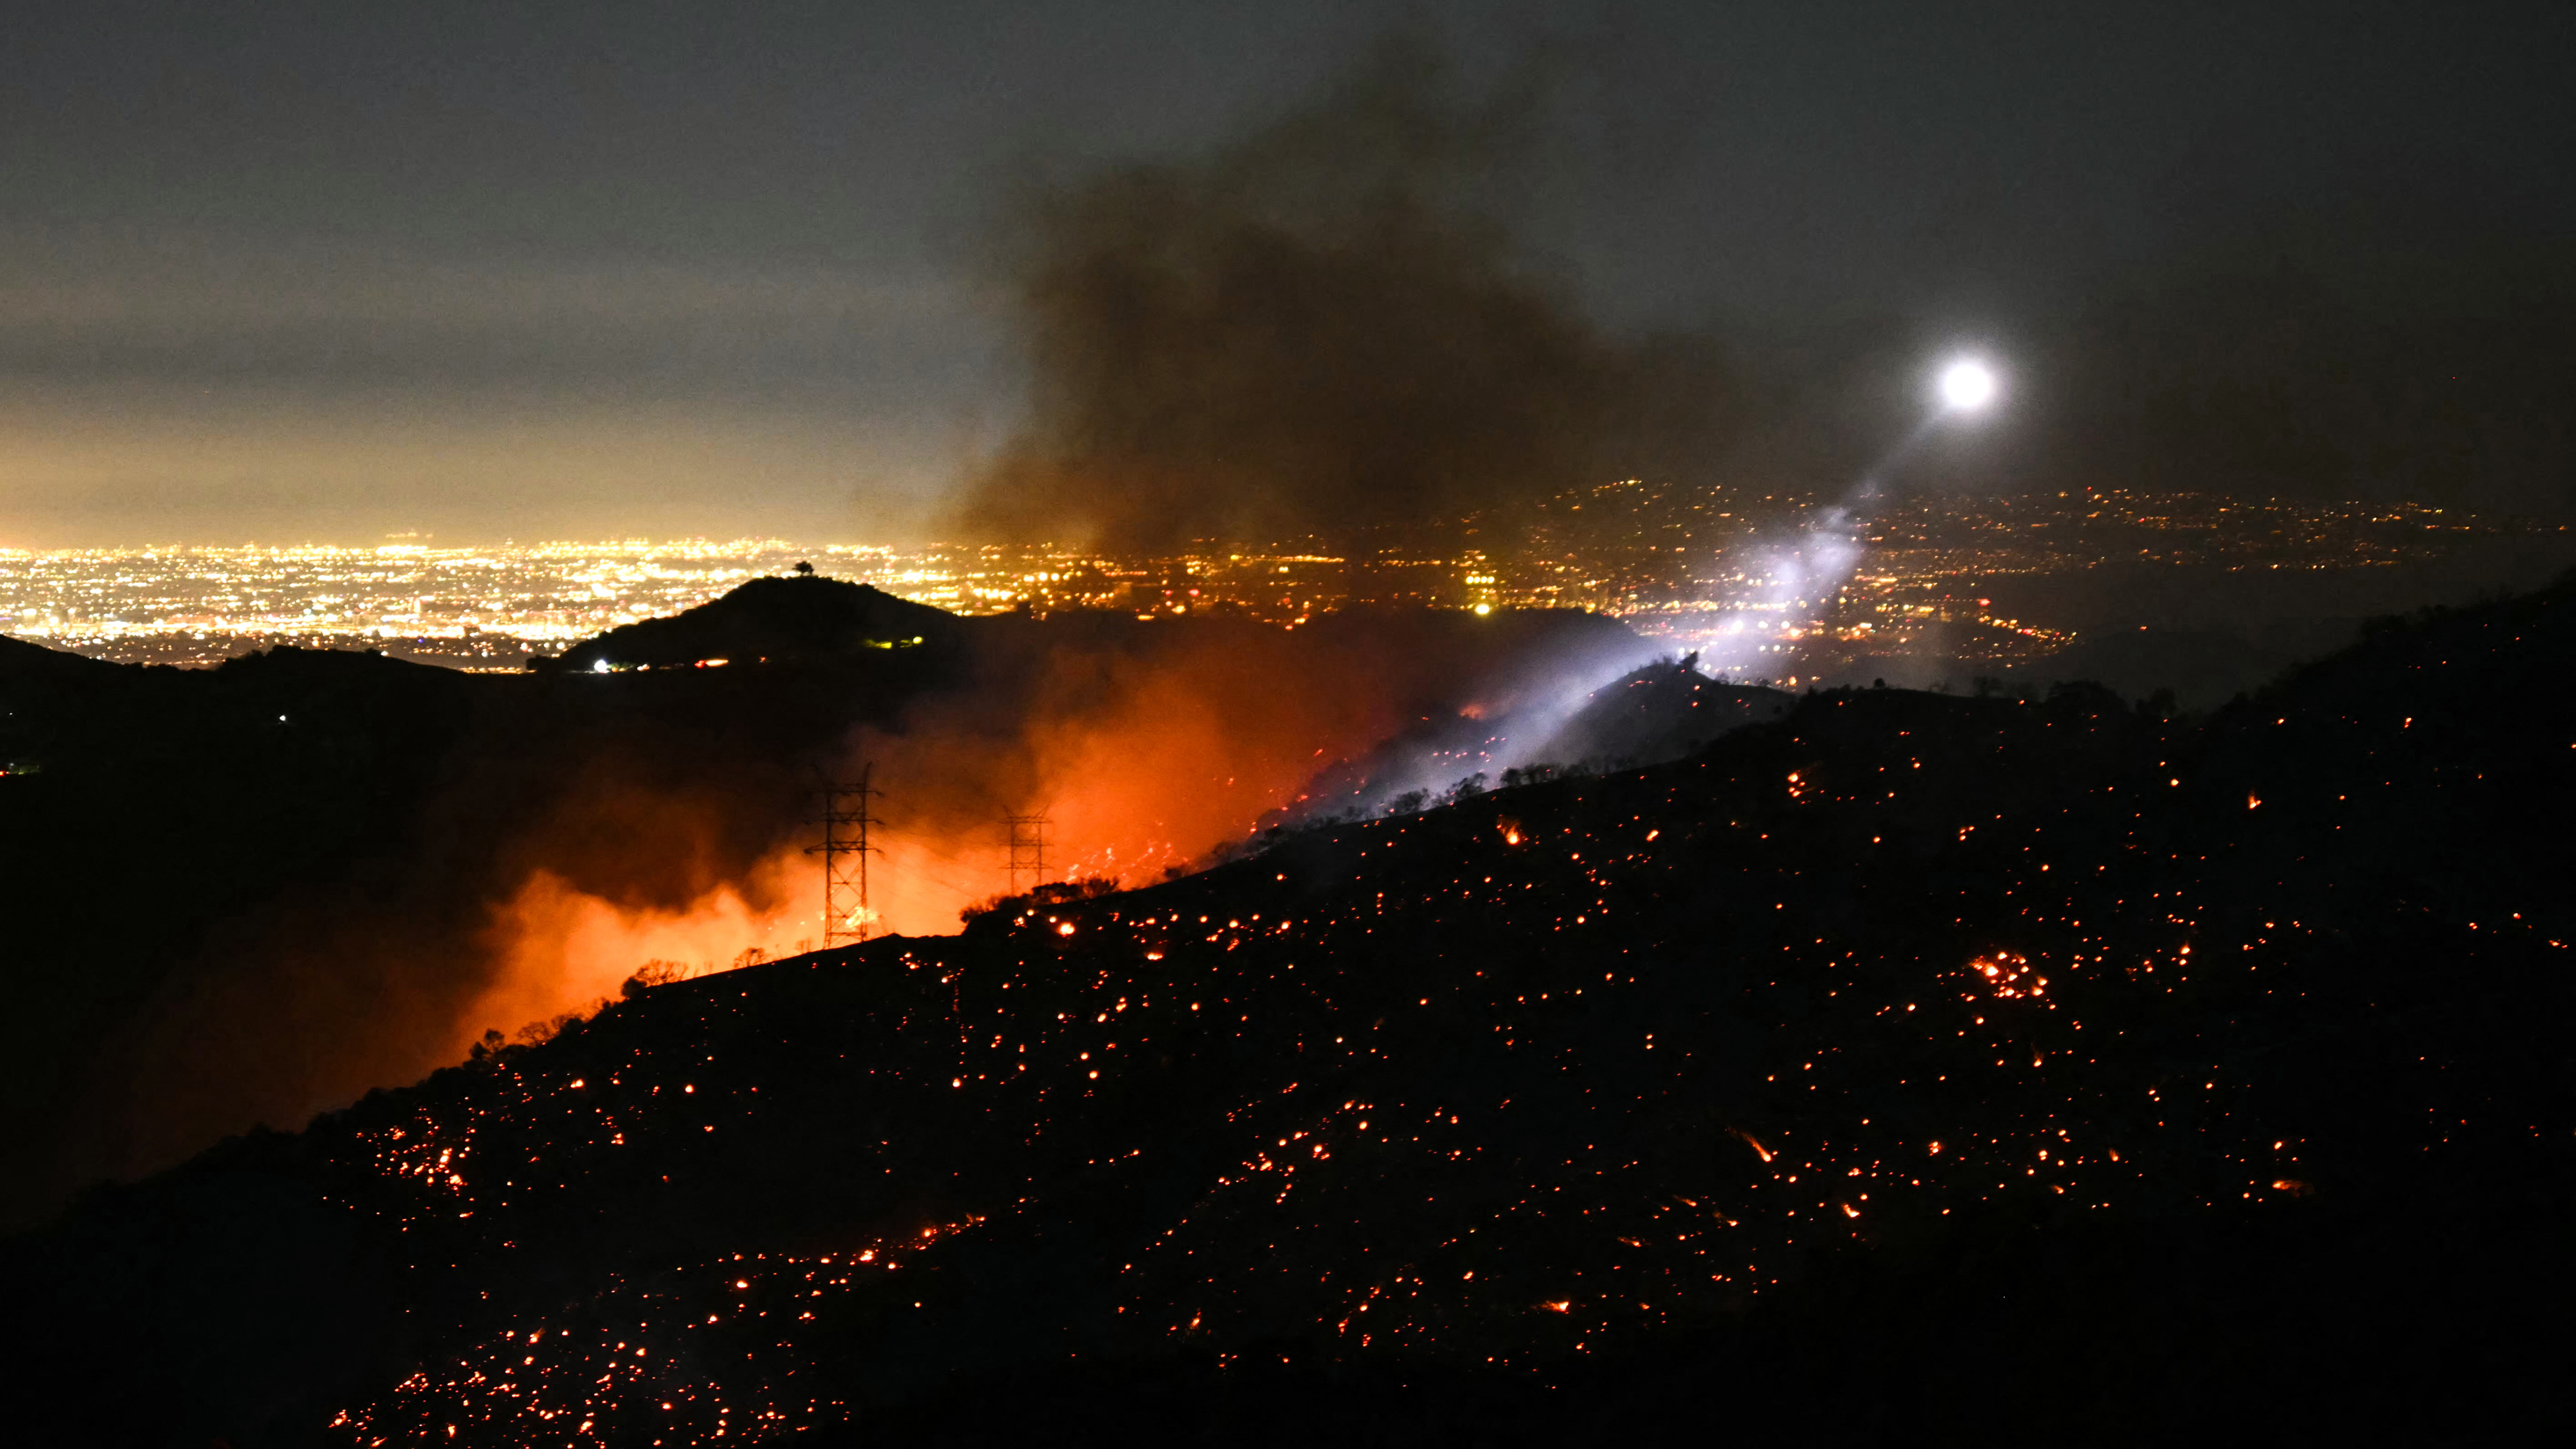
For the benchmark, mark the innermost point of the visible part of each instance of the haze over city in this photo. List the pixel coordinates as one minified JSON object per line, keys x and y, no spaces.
{"x":296,"y":275}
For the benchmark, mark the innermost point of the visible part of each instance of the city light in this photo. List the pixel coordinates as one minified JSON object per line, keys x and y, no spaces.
{"x":1758,"y":583}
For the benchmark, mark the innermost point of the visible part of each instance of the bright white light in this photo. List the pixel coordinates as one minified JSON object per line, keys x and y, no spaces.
{"x":1967,"y":386}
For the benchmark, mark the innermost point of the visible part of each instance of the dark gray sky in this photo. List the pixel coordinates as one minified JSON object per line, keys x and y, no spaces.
{"x":323,"y":272}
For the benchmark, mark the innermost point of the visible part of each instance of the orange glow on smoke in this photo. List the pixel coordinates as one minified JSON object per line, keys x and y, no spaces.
{"x":560,"y":950}
{"x":1143,"y":755}
{"x":1141,"y":763}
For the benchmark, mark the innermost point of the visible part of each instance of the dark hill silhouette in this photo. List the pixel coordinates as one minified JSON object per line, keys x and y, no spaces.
{"x":178,"y":846}
{"x":2201,"y":668}
{"x":1909,"y":1065}
{"x":1661,"y":712}
{"x":144,"y":803}
{"x":799,"y":617}
{"x":22,"y":662}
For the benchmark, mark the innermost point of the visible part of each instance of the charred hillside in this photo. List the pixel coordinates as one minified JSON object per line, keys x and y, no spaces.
{"x":251,"y":893}
{"x":1905,"y":1060}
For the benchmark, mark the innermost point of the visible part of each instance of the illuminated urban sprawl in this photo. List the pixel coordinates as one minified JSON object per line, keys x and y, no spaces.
{"x":1735,"y":574}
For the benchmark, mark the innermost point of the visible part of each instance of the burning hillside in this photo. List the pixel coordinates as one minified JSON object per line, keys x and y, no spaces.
{"x":1840,"y":1061}
{"x":388,"y":861}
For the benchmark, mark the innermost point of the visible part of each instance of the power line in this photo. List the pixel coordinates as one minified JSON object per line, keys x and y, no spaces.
{"x":1028,"y":851}
{"x":845,"y":851}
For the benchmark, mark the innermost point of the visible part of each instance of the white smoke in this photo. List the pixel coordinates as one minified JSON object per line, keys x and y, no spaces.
{"x":1785,"y":588}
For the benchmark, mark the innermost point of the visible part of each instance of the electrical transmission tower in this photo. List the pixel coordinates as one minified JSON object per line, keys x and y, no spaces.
{"x":1028,"y":852}
{"x":845,"y":851}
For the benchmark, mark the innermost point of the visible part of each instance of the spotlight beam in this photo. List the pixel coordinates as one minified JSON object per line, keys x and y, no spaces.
{"x":1824,"y":554}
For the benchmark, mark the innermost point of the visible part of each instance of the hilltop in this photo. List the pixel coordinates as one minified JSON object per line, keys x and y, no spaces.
{"x":1903,"y":1061}
{"x":1660,"y":712}
{"x":797,"y":617}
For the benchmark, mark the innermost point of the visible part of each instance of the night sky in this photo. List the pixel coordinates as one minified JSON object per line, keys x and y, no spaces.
{"x":284,"y":272}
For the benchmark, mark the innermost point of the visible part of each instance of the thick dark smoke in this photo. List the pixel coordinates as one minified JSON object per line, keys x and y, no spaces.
{"x":1324,"y":326}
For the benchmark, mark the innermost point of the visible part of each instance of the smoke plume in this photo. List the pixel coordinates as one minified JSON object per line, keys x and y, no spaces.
{"x":1323,"y":327}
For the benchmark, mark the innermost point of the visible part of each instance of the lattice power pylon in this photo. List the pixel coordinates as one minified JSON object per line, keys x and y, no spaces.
{"x":1028,"y":852}
{"x":845,"y":851}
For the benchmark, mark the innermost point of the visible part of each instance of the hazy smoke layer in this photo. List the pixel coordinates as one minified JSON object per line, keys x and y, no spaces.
{"x":1320,"y":327}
